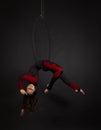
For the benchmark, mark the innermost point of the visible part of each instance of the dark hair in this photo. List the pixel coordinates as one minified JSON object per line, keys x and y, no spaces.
{"x":31,"y":102}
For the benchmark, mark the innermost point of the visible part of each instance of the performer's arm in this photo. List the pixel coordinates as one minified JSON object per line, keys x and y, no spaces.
{"x":27,"y":77}
{"x":57,"y":71}
{"x":55,"y":76}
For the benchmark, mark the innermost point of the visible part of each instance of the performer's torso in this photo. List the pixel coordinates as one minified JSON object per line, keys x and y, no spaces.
{"x":45,"y":65}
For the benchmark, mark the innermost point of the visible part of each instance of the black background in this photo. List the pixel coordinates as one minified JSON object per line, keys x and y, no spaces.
{"x":75,"y":34}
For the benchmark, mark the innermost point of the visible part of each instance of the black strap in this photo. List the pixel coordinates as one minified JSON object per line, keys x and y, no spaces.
{"x":34,"y":37}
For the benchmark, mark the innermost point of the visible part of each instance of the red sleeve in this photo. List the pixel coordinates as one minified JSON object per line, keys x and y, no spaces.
{"x":57,"y":71}
{"x":54,"y":68}
{"x":20,"y":84}
{"x":27,"y":77}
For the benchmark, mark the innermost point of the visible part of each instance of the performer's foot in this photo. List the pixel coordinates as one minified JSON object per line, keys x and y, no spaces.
{"x":80,"y":90}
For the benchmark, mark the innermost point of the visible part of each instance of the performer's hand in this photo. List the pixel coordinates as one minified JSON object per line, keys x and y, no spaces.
{"x":46,"y":90}
{"x":81,"y":91}
{"x":23,"y":92}
{"x":22,"y":112}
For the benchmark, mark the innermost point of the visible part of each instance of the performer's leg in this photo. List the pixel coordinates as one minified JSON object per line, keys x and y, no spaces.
{"x":64,"y":78}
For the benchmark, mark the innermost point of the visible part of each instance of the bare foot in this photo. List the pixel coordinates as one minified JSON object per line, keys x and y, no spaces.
{"x":81,"y":91}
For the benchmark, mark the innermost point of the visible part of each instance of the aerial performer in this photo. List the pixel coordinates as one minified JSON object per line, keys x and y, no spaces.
{"x":30,"y":91}
{"x":32,"y":77}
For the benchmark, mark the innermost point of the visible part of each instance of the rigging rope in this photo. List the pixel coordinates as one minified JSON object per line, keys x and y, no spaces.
{"x":42,"y":8}
{"x":34,"y":35}
{"x":40,"y":19}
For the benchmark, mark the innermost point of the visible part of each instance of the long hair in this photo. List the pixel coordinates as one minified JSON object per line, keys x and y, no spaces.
{"x":31,"y":102}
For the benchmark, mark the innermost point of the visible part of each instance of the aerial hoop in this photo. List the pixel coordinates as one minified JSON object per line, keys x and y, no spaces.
{"x":38,"y":20}
{"x":41,"y":19}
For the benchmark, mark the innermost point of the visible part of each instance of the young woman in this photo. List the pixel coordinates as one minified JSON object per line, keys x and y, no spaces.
{"x":30,"y":100}
{"x":32,"y":77}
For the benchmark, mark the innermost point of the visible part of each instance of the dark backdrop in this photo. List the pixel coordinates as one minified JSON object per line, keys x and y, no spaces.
{"x":75,"y":35}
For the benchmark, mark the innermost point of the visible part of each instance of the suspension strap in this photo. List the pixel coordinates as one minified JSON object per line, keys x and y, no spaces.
{"x":42,"y":8}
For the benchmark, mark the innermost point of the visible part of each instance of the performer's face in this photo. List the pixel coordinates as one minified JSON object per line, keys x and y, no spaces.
{"x":30,"y":89}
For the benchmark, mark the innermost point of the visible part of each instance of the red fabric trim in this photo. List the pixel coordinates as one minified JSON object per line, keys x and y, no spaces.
{"x":20,"y":84}
{"x":74,"y":86}
{"x":52,"y":66}
{"x":57,"y":73}
{"x":28,"y":77}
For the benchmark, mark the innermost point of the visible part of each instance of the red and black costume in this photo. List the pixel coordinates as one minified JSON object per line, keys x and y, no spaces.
{"x":32,"y":75}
